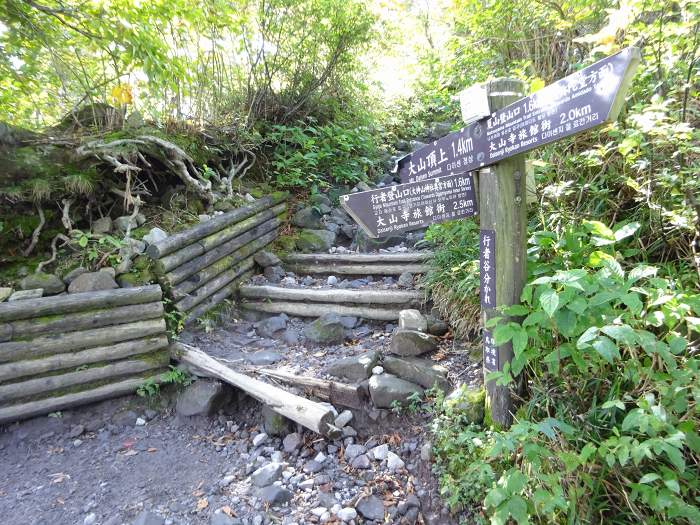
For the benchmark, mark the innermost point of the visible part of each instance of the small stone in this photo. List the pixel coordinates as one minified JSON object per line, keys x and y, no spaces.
{"x":155,"y":236}
{"x":121,"y":224}
{"x":74,"y":274}
{"x":219,"y":518}
{"x":75,"y":431}
{"x":265,"y":258}
{"x":349,"y":432}
{"x":405,"y":280}
{"x":327,"y":329}
{"x":361,"y":462}
{"x":347,"y":514}
{"x":202,"y":398}
{"x":259,"y":439}
{"x":275,"y":495}
{"x":267,"y":475}
{"x":5,"y":292}
{"x":343,"y":419}
{"x":356,"y":368}
{"x":274,"y":274}
{"x":275,"y":424}
{"x":371,"y":507}
{"x":332,"y":280}
{"x":50,"y":283}
{"x":378,"y":370}
{"x":148,"y":518}
{"x":312,"y":467}
{"x":380,"y":452}
{"x":468,"y":402}
{"x":270,"y":326}
{"x":92,"y":282}
{"x":394,"y":462}
{"x":102,"y":225}
{"x":292,"y":442}
{"x":140,"y":422}
{"x":412,"y":343}
{"x":22,"y":295}
{"x":90,"y":519}
{"x":412,"y":320}
{"x":320,"y":457}
{"x":77,"y":443}
{"x":353,"y":451}
{"x":436,"y":326}
{"x":309,"y":218}
{"x":423,"y":372}
{"x":386,"y":389}
{"x":426,"y":452}
{"x":319,"y":511}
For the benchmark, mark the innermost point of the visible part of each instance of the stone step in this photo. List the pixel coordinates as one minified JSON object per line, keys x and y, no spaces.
{"x":358,"y":264}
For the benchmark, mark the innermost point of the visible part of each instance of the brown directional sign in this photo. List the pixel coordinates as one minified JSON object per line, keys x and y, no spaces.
{"x":580,"y":101}
{"x":404,"y":207}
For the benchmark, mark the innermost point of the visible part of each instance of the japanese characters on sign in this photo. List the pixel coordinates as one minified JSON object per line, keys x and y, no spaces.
{"x":571,"y":105}
{"x":487,"y":264}
{"x":403,"y":207}
{"x":491,"y":361}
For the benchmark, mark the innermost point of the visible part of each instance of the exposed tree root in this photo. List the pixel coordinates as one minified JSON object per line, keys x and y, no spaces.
{"x":37,"y":231}
{"x":54,"y":251}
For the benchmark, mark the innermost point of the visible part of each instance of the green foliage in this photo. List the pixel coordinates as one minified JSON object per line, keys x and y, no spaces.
{"x":313,"y":156}
{"x":174,"y":376}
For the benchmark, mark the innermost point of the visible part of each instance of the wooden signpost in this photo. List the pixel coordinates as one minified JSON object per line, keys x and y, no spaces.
{"x":437,"y":183}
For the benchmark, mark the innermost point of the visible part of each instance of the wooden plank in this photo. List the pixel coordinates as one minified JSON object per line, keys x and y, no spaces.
{"x":319,"y":309}
{"x":72,"y":341}
{"x":62,"y":323}
{"x":359,"y":258}
{"x":333,"y":295}
{"x":45,"y":385}
{"x":84,"y":357}
{"x":332,"y":391}
{"x":76,"y":302}
{"x":216,"y":299}
{"x":232,"y":262}
{"x":190,"y":235}
{"x":357,"y":269}
{"x":52,"y":404}
{"x":309,"y":414}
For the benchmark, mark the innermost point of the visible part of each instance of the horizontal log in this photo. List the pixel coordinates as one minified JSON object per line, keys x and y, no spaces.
{"x":203,"y":229}
{"x":332,"y":391}
{"x":356,"y":269}
{"x":46,"y":385}
{"x":197,"y":264}
{"x":358,"y":258}
{"x":72,"y":341}
{"x":76,"y":302}
{"x":52,"y":404}
{"x":319,"y":309}
{"x":9,"y":371}
{"x":230,"y":262}
{"x":309,"y":414}
{"x":179,"y":257}
{"x":62,"y":323}
{"x":216,"y":299}
{"x":333,"y":295}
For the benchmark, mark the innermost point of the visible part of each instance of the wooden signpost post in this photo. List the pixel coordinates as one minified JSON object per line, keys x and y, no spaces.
{"x":437,"y":182}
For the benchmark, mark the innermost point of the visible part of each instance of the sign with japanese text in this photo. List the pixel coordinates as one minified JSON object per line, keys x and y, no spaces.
{"x":580,"y":101}
{"x":404,"y":207}
{"x":487,"y":268}
{"x":491,"y":360}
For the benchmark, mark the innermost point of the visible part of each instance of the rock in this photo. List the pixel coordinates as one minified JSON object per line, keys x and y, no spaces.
{"x":155,"y":235}
{"x":385,"y":389}
{"x":109,"y":271}
{"x":310,"y":241}
{"x":90,"y":519}
{"x":133,"y":279}
{"x":264,"y":259}
{"x":267,"y":475}
{"x":102,"y":225}
{"x":366,"y":244}
{"x":468,"y":402}
{"x":320,"y":198}
{"x":327,"y":329}
{"x":371,"y":507}
{"x":268,"y":327}
{"x":274,"y":274}
{"x":377,"y":370}
{"x":122,"y":223}
{"x":75,"y":431}
{"x":356,"y":368}
{"x":202,"y":398}
{"x":426,"y":452}
{"x":290,"y":337}
{"x":148,"y":518}
{"x":393,"y":462}
{"x":405,"y":280}
{"x":363,"y":186}
{"x":274,"y":423}
{"x":332,"y":280}
{"x":412,"y":320}
{"x":411,"y":343}
{"x":380,"y":452}
{"x":50,"y":283}
{"x":343,"y":418}
{"x":92,"y":282}
{"x":260,"y":439}
{"x":423,"y":372}
{"x":348,"y":321}
{"x":347,"y":514}
{"x":264,"y":357}
{"x":292,"y":442}
{"x":361,"y":462}
{"x":437,"y":326}
{"x":312,"y":467}
{"x":353,"y":451}
{"x":308,"y":218}
{"x":123,"y":267}
{"x":26,"y":294}
{"x":5,"y":292}
{"x":275,"y":495}
{"x":219,"y":518}
{"x":348,"y":230}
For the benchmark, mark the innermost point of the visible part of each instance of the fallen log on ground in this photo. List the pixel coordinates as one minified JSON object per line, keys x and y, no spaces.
{"x":309,"y":414}
{"x":319,"y":309}
{"x":333,"y":295}
{"x":331,"y":391}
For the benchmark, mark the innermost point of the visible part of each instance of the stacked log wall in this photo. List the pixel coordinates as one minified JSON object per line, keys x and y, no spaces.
{"x":202,"y":266}
{"x":60,"y":352}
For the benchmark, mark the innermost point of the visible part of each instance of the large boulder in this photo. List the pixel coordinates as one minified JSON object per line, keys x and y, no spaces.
{"x":420,"y":371}
{"x":271,"y":326}
{"x":412,"y":320}
{"x":411,"y":343}
{"x":155,"y":235}
{"x":265,"y":259}
{"x":92,"y":282}
{"x":310,"y":241}
{"x":202,"y":398}
{"x":468,"y":402}
{"x":50,"y":283}
{"x":386,"y":389}
{"x":308,"y":218}
{"x":327,"y":329}
{"x":356,"y":368}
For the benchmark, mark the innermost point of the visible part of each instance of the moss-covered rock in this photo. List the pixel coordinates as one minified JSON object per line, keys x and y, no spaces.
{"x":50,"y":283}
{"x":310,"y":241}
{"x":135,"y":278}
{"x":468,"y":402}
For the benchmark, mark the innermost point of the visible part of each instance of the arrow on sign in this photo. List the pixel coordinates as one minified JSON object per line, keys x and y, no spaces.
{"x":585,"y":99}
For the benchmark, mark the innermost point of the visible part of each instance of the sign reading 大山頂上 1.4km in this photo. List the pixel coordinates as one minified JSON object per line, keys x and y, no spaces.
{"x":580,"y":101}
{"x":404,"y":207}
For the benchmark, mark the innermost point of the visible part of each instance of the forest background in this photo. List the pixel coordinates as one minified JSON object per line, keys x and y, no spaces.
{"x":103,"y":97}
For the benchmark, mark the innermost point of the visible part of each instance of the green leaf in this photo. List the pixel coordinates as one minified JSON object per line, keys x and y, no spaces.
{"x":633,"y":302}
{"x":519,"y":340}
{"x":83,"y":241}
{"x":549,"y":301}
{"x":586,"y":337}
{"x":516,"y":310}
{"x":599,"y":229}
{"x":517,"y":508}
{"x":626,"y":231}
{"x":606,"y":349}
{"x":648,"y":478}
{"x":503,"y":333}
{"x":621,"y":333}
{"x":614,"y":403}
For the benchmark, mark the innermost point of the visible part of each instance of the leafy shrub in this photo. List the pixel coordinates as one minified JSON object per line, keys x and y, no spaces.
{"x":609,"y":432}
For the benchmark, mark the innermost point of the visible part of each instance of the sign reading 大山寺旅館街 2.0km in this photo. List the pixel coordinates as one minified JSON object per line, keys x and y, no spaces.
{"x":580,"y":101}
